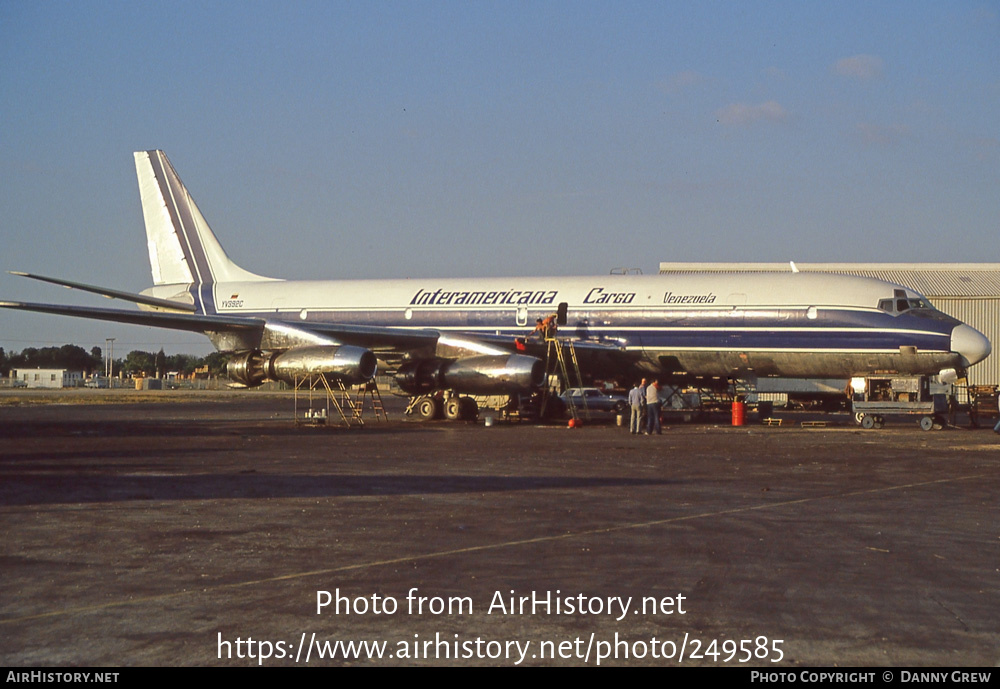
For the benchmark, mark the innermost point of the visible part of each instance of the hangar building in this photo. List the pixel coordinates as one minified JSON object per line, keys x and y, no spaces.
{"x":968,"y":291}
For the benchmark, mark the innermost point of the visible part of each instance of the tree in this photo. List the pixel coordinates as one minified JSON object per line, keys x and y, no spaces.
{"x":216,"y":362}
{"x":68,"y":356}
{"x":139,"y":363}
{"x":75,"y":358}
{"x":183,"y":363}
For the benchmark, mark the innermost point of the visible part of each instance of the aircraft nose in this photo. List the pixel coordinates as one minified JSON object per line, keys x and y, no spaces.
{"x":970,"y":343}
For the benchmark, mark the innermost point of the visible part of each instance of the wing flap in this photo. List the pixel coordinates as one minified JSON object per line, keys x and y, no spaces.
{"x":376,"y":338}
{"x":538,"y":348}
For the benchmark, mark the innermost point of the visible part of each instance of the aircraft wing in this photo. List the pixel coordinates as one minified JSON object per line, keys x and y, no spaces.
{"x":535,"y":347}
{"x":376,"y":338}
{"x":379,"y":339}
{"x":594,"y":356}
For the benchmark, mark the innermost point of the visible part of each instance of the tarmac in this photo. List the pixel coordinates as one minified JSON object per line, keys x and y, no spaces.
{"x":208,"y":529}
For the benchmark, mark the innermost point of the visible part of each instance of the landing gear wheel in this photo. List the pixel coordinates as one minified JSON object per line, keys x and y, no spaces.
{"x":927,"y":423}
{"x":868,"y":421}
{"x":453,"y":409}
{"x":429,"y":409}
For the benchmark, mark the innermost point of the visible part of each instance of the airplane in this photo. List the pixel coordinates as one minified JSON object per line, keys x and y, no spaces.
{"x":470,"y":336}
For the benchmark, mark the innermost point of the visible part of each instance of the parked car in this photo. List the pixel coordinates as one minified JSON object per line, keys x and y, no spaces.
{"x":596,"y":399}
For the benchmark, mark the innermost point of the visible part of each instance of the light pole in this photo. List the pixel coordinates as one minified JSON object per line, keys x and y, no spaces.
{"x":109,"y":365}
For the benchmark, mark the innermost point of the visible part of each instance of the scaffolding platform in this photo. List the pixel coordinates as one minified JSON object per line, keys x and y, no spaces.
{"x":327,"y":402}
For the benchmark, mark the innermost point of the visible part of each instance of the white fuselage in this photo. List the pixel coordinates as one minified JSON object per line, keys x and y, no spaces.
{"x":795,"y":324}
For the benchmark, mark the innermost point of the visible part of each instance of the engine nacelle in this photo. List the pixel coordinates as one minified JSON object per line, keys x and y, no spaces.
{"x":248,"y":368}
{"x":420,"y":377}
{"x":345,"y":363}
{"x":479,"y":375}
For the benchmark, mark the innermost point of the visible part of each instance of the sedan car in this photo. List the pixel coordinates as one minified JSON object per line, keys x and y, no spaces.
{"x":596,"y":400}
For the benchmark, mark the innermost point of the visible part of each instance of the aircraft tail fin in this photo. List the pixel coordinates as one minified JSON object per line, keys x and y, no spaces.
{"x":182,"y":247}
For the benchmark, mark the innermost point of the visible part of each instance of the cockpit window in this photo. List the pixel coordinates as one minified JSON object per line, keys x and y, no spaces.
{"x":897,"y":306}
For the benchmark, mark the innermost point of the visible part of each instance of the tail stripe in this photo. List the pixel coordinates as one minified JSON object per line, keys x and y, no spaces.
{"x":171,"y":188}
{"x":183,"y":250}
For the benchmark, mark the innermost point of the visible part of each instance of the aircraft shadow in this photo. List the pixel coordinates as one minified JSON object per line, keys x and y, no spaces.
{"x":22,"y":489}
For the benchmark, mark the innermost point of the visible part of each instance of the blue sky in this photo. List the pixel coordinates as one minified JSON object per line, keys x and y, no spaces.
{"x":406,"y":139}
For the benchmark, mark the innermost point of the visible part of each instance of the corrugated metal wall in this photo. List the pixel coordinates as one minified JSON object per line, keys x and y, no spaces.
{"x":984,"y":316}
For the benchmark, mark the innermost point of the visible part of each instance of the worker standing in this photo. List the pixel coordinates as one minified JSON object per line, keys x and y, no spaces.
{"x":653,"y":408}
{"x":549,"y":324}
{"x":636,"y":400}
{"x":642,"y":391}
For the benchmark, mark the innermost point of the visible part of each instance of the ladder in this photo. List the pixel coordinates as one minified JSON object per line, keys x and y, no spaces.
{"x":370,"y":389}
{"x":345,"y":399}
{"x":557,"y":365}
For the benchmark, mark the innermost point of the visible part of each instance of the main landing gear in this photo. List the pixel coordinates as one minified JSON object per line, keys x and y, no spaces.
{"x":456,"y":407}
{"x":453,"y":408}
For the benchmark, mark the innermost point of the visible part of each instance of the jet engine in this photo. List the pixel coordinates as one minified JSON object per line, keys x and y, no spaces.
{"x":503,"y":374}
{"x":345,"y":363}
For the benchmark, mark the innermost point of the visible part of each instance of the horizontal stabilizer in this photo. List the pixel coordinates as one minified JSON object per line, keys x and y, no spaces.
{"x":176,"y":321}
{"x":111,"y":293}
